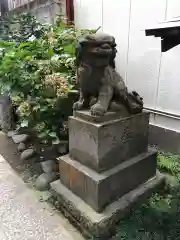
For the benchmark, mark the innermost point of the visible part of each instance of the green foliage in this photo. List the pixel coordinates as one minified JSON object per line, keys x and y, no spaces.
{"x":21,"y":27}
{"x":38,"y":71}
{"x":169,"y":163}
{"x":159,"y":219}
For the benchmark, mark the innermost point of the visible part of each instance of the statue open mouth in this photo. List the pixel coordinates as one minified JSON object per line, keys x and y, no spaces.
{"x":99,"y":51}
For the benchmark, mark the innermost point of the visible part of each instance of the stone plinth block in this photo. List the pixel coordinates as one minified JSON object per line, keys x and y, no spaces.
{"x":101,"y":225}
{"x":100,"y":189}
{"x":102,"y":143}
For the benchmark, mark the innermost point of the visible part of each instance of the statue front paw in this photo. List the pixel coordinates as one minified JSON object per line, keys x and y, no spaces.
{"x":78,"y":106}
{"x":97,"y":110}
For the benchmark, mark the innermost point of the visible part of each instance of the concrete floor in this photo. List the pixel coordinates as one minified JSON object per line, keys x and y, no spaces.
{"x":22,"y":215}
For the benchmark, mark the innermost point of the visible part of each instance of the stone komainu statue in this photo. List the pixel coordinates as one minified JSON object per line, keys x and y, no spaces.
{"x":98,"y":79}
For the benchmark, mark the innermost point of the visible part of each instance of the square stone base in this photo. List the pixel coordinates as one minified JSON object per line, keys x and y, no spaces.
{"x":101,"y":225}
{"x":92,"y":187}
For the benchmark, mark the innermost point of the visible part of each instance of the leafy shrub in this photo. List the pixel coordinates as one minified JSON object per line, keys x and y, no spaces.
{"x":169,"y":163}
{"x":38,"y":71}
{"x":20,"y":27}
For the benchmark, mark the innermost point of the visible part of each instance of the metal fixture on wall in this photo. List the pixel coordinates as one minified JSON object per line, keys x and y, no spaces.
{"x":168,"y":31}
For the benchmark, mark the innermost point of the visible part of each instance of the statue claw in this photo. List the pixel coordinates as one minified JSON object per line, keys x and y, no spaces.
{"x":77,"y":106}
{"x":97,"y":110}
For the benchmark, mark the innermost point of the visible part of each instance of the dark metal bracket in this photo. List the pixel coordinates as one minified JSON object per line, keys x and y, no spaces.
{"x":168,"y":31}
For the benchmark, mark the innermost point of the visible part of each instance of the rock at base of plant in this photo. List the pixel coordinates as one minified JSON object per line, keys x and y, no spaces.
{"x":44,"y":180}
{"x":27,"y":154}
{"x":11,"y":133}
{"x":20,"y":138}
{"x":21,"y":147}
{"x":49,"y":166}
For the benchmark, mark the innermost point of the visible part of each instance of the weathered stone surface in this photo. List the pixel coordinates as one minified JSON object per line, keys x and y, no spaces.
{"x":86,"y":115}
{"x":104,"y":145}
{"x":100,"y":225}
{"x":11,"y":133}
{"x":27,"y":154}
{"x":21,"y":147}
{"x":92,"y":187}
{"x":44,"y":180}
{"x":6,"y":113}
{"x":20,"y":138}
{"x":49,"y":166}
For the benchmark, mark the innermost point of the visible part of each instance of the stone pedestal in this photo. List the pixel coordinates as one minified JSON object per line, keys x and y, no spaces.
{"x":109,"y":167}
{"x":105,"y":144}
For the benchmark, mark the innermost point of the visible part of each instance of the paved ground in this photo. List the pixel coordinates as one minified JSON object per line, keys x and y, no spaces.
{"x":22,"y":216}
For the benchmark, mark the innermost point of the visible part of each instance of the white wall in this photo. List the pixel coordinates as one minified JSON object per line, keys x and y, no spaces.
{"x":155,"y":75}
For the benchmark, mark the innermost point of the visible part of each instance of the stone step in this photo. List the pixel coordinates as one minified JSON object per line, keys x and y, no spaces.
{"x":96,"y":225}
{"x":100,"y":189}
{"x":105,"y":144}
